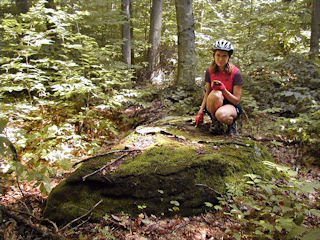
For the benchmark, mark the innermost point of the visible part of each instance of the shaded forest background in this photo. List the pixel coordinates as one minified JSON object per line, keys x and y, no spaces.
{"x":67,"y":93}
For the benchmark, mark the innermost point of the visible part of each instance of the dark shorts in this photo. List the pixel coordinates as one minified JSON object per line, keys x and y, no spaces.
{"x":238,"y":107}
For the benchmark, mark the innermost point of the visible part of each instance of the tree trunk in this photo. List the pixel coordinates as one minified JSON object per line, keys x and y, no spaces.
{"x":50,"y":4}
{"x":186,"y":44}
{"x":22,"y":5}
{"x":126,"y":36}
{"x":315,"y":29}
{"x":155,"y":34}
{"x":50,"y":25}
{"x":131,"y":34}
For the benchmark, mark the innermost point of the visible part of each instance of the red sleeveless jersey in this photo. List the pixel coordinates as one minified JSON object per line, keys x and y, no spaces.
{"x":226,"y":79}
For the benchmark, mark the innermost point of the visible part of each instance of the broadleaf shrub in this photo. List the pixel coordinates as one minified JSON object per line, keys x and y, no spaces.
{"x":271,"y":209}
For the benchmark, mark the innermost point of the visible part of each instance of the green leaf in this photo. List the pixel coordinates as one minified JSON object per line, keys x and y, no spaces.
{"x":45,"y":188}
{"x":107,"y":234}
{"x":286,"y":223}
{"x":259,"y":233}
{"x":308,"y":188}
{"x":4,"y":144}
{"x":3,"y":124}
{"x":278,"y":228}
{"x":250,"y":182}
{"x":268,"y":189}
{"x":65,"y":164}
{"x":176,"y":203}
{"x":312,"y":235}
{"x":106,"y":217}
{"x":252,"y":176}
{"x":46,"y":179}
{"x":142,"y":206}
{"x":237,"y":236}
{"x":315,"y":212}
{"x":19,"y":168}
{"x":33,"y":118}
{"x":160,"y":191}
{"x":296,"y":231}
{"x":208,"y":204}
{"x":217,"y":207}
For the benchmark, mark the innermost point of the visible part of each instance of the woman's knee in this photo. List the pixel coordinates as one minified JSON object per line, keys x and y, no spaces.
{"x":215,"y":99}
{"x":215,"y":95}
{"x":225,"y":115}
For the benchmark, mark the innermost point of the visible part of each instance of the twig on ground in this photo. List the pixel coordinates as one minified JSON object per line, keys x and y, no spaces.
{"x":104,"y":154}
{"x":210,"y":188}
{"x":103,"y":167}
{"x":80,"y":224}
{"x":245,"y":114}
{"x":53,"y":224}
{"x":77,"y":219}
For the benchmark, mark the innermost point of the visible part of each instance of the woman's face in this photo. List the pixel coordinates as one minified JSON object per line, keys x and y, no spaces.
{"x":221,"y":58}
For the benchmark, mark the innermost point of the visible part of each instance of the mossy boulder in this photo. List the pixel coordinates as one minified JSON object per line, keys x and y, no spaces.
{"x":169,"y":167}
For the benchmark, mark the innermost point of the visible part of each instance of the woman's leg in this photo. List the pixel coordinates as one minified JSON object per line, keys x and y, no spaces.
{"x":214,"y":101}
{"x":226,"y":114}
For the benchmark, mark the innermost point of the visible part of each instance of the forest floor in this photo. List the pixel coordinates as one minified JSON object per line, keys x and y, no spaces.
{"x":22,"y":213}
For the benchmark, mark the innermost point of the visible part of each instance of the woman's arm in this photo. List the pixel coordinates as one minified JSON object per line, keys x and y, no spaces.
{"x":204,"y":101}
{"x":236,"y":96}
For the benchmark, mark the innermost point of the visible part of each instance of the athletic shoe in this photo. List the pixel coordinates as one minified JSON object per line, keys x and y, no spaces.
{"x":233,"y":129}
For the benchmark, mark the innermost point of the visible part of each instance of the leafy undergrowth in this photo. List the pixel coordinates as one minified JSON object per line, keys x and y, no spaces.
{"x":255,"y":208}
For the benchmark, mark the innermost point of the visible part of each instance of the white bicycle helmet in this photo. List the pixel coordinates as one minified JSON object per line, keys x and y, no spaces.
{"x":223,"y":45}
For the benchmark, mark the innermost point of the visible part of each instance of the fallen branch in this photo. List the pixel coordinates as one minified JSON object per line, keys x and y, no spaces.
{"x":37,"y":227}
{"x":103,"y":167}
{"x":105,"y":154}
{"x":77,"y":219}
{"x":38,"y":219}
{"x":210,"y":188}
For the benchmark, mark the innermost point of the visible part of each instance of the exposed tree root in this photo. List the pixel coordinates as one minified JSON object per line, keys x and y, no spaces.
{"x":41,"y":229}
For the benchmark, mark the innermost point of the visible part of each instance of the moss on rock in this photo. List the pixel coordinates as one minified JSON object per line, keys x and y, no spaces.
{"x":177,"y":164}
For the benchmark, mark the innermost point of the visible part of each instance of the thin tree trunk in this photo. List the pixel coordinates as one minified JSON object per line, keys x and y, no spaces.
{"x":22,"y":5}
{"x":155,"y":34}
{"x":131,"y":35}
{"x":126,"y":36}
{"x":315,"y":29}
{"x":186,"y":44}
{"x":50,"y":4}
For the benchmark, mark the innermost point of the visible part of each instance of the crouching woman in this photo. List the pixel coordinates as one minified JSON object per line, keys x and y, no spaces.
{"x":223,"y":89}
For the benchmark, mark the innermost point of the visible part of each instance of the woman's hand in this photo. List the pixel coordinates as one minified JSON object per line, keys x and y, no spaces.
{"x":199,"y":119}
{"x":217,"y":85}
